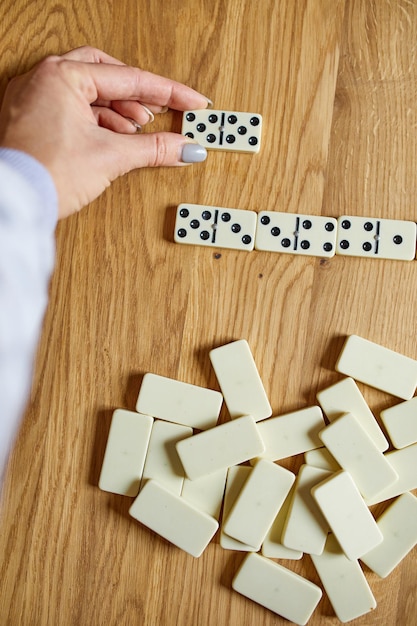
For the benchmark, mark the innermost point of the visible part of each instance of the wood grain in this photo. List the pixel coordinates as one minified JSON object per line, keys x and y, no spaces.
{"x":336,"y":84}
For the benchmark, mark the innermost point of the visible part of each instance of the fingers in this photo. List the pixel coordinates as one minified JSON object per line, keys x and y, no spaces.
{"x":155,"y":150}
{"x":88,"y":54}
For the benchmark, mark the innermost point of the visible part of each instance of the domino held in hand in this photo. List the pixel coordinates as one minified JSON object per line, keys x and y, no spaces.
{"x":224,"y":130}
{"x":211,"y":226}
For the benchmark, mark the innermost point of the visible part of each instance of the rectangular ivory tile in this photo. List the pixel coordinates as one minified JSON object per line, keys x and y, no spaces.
{"x":236,"y":478}
{"x":346,"y":397}
{"x":379,"y":367}
{"x":400,"y":422}
{"x":239,"y":380}
{"x":398,"y":525}
{"x":357,"y":453}
{"x":273,"y":547}
{"x":347,"y":514}
{"x":276,"y":588}
{"x":162,"y":462}
{"x":321,"y":457}
{"x":219,"y":447}
{"x":125,"y":454}
{"x":206,"y":493}
{"x":404,"y":463}
{"x":175,"y":519}
{"x":179,"y":402}
{"x":258,"y":503}
{"x":305,"y":528}
{"x":344,"y":582}
{"x":292,"y":433}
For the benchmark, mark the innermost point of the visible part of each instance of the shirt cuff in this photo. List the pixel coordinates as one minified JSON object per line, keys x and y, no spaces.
{"x":39,"y":179}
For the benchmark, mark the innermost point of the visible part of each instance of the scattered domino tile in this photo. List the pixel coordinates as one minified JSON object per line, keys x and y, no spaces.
{"x":258,"y":503}
{"x":376,"y":238}
{"x":236,"y":478}
{"x":400,"y":422}
{"x":356,"y":452}
{"x":276,"y":588}
{"x":305,"y":528}
{"x":378,"y":367}
{"x":224,"y":130}
{"x":162,"y":462}
{"x":239,"y":380}
{"x":345,"y":397}
{"x":173,"y":518}
{"x":222,"y":446}
{"x":398,"y":524}
{"x":219,"y":227}
{"x":321,"y":457}
{"x":347,"y":514}
{"x":272,"y":546}
{"x":206,"y":493}
{"x":290,"y":233}
{"x":404,"y":463}
{"x":175,"y":401}
{"x":292,"y":433}
{"x":344,"y":582}
{"x":125,"y":453}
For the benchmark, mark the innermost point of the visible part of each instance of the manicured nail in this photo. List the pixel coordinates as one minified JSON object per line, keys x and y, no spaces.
{"x":193,"y":153}
{"x":149,"y":112}
{"x":137,"y":126}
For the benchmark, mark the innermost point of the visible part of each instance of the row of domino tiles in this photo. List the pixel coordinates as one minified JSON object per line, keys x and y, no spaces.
{"x":292,"y":233}
{"x":181,"y":480}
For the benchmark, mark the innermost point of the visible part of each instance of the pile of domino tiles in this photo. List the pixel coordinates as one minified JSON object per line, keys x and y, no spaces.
{"x":184,"y":470}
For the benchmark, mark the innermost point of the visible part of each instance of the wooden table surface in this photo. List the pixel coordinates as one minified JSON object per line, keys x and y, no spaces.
{"x":336,"y":83}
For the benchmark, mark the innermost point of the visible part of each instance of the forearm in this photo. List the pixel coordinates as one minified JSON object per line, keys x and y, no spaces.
{"x":28,"y":214}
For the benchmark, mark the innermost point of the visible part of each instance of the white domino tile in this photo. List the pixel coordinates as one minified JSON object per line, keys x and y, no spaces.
{"x":125,"y":454}
{"x":222,"y":446}
{"x":258,"y":503}
{"x":276,"y":588}
{"x":236,"y":478}
{"x":312,"y":235}
{"x":273,"y":547}
{"x":305,"y":528}
{"x":292,"y":433}
{"x":321,"y":457}
{"x":376,"y":238}
{"x":398,"y":525}
{"x":379,"y":367}
{"x":215,"y":227}
{"x":176,"y":401}
{"x":162,"y":462}
{"x":357,"y":453}
{"x":224,"y":130}
{"x":400,"y":422}
{"x":404,"y":463}
{"x":346,"y":397}
{"x":206,"y":493}
{"x":347,"y":514}
{"x":344,"y":582}
{"x":173,"y":518}
{"x":239,"y":380}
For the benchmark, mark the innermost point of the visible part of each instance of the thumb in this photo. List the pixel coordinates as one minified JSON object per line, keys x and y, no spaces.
{"x":158,"y":150}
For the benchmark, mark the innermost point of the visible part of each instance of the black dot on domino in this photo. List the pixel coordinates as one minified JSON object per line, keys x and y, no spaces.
{"x":232,"y":119}
{"x":226,"y":217}
{"x":346,"y":224}
{"x":236,"y":228}
{"x":246,"y":239}
{"x":190,"y":117}
{"x":213,"y":118}
{"x":184,"y":213}
{"x":368,"y":226}
{"x":344,"y":244}
{"x":204,"y":235}
{"x":242,"y":130}
{"x":286,"y":243}
{"x":397,"y":239}
{"x":206,"y":215}
{"x":182,"y":233}
{"x":307,"y":224}
{"x":230,"y":139}
{"x":195,"y":224}
{"x":211,"y":138}
{"x":367,"y":247}
{"x":275,"y":231}
{"x":190,"y":135}
{"x":327,"y":247}
{"x":330,"y":228}
{"x":305,"y":244}
{"x":201,"y":127}
{"x":254,"y":121}
{"x":252,"y":141}
{"x":265,"y":220}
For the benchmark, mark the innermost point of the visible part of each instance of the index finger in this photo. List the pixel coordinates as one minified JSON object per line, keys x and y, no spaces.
{"x":108,"y":81}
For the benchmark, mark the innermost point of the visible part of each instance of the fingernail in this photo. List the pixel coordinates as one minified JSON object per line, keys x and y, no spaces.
{"x":193,"y":153}
{"x":164,"y":110}
{"x":149,"y":112}
{"x":209,"y":103}
{"x":137,"y":126}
